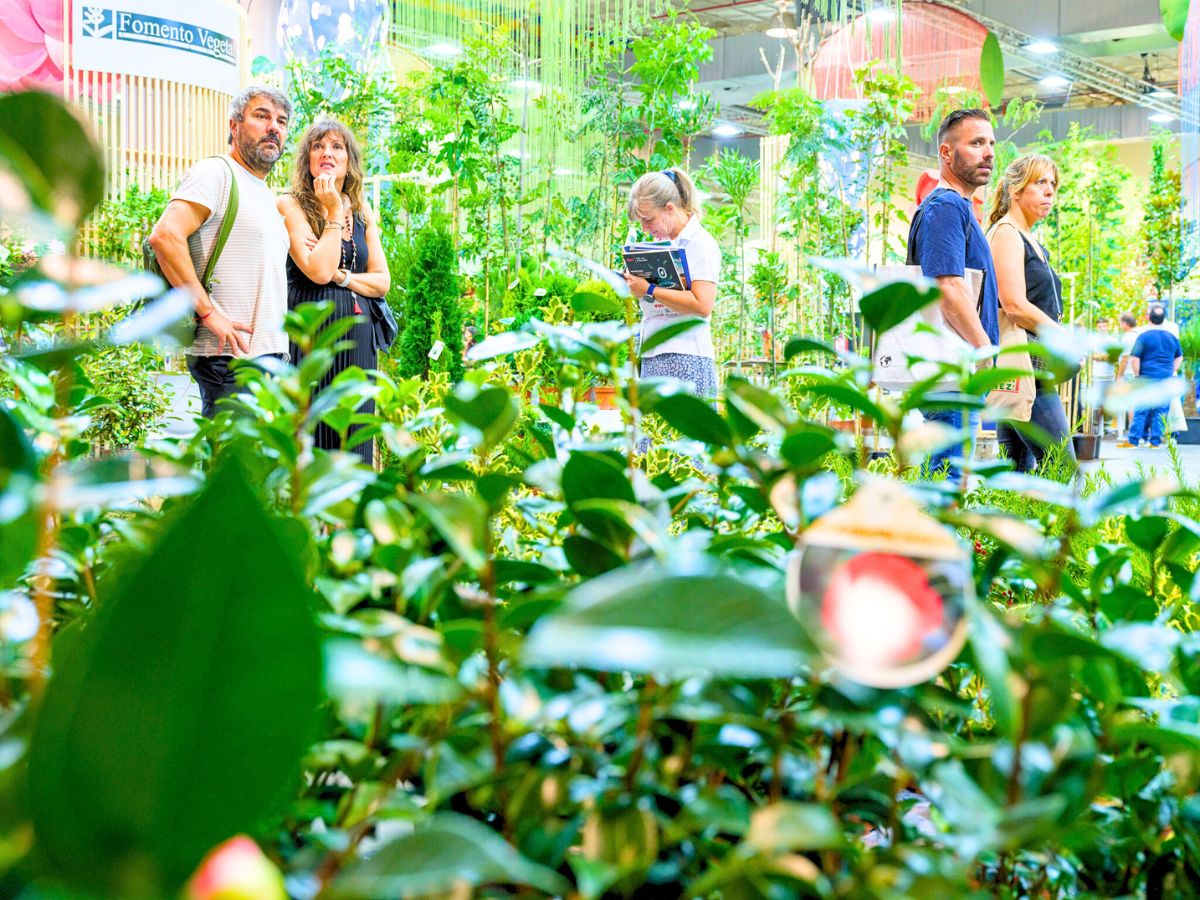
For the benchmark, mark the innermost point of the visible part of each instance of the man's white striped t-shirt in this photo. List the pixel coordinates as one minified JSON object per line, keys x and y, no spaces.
{"x":249,"y":283}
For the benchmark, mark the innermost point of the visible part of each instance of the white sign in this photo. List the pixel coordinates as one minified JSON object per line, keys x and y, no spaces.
{"x":191,"y":41}
{"x":435,"y":352}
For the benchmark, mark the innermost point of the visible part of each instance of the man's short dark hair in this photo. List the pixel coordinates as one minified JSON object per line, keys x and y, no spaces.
{"x":1128,"y":319}
{"x":959,"y":115}
{"x":1157,"y":315}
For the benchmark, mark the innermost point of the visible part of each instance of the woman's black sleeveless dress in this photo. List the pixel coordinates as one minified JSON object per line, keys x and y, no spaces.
{"x":346,"y":304}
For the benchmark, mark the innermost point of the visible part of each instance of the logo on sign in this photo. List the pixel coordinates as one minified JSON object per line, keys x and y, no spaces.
{"x":142,"y":28}
{"x":97,"y":22}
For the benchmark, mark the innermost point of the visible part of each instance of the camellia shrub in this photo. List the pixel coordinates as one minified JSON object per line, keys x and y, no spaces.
{"x":569,"y":671}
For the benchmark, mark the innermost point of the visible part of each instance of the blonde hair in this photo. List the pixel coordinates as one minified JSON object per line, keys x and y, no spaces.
{"x":302,"y":177}
{"x":660,"y":188}
{"x":1019,"y":175}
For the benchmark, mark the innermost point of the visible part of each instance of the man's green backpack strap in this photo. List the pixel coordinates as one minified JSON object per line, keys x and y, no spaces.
{"x":150,"y":261}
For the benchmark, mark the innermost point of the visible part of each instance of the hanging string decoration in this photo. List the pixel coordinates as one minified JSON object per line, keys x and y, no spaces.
{"x":934,"y":45}
{"x":1189,"y":139}
{"x":557,"y":48}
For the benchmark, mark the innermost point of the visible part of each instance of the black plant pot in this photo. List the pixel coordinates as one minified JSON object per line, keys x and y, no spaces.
{"x":1087,"y":446}
{"x":1192,"y":435}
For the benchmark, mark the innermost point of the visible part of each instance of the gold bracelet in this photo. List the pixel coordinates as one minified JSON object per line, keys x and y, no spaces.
{"x":337,"y":225}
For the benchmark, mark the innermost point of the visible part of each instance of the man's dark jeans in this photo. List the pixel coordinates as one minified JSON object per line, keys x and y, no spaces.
{"x":215,"y":380}
{"x":1148,"y":425}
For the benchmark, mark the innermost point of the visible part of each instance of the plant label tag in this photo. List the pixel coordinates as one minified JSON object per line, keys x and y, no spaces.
{"x":883,"y":588}
{"x":435,"y":351}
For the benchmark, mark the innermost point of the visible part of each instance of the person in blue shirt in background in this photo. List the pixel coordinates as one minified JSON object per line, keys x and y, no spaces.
{"x":949,"y":240}
{"x":1157,"y":356}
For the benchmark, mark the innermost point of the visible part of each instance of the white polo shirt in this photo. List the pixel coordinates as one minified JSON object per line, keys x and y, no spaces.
{"x":704,"y":264}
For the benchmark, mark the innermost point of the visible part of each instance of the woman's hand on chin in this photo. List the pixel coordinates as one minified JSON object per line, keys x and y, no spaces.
{"x":328,"y":197}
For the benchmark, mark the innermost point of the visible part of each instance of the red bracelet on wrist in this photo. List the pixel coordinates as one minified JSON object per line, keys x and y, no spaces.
{"x":206,"y":315}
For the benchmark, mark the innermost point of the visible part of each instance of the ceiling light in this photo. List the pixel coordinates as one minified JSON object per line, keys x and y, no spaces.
{"x":1042,"y":48}
{"x":726,"y":130}
{"x":1153,"y":89}
{"x":784,"y":27}
{"x":1055,"y":82}
{"x":881,"y":14}
{"x":1162,"y":118}
{"x":443,"y":50}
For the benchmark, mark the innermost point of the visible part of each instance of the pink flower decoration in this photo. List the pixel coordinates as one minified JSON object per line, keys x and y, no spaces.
{"x":31,"y":43}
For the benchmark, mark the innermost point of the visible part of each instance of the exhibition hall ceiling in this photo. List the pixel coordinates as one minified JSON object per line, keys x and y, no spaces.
{"x":1100,"y":52}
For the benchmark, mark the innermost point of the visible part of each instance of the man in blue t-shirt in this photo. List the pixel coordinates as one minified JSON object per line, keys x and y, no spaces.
{"x":1157,"y":356}
{"x":946,"y":240}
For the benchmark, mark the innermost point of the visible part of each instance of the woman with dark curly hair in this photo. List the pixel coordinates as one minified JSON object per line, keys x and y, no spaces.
{"x":335,"y":253}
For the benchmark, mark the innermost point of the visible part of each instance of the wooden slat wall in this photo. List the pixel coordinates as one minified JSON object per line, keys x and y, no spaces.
{"x":150,"y":129}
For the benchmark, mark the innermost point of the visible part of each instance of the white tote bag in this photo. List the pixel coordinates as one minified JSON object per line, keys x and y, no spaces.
{"x":1176,"y":421}
{"x":937,"y":343}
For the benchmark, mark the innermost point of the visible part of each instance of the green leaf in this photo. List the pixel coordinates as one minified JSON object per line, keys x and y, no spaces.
{"x":665,"y":334}
{"x":461,"y":520}
{"x":489,"y":412}
{"x":503,"y":344}
{"x":687,"y":616}
{"x":18,"y":509}
{"x":846,"y":395}
{"x":693,"y":418}
{"x":179,"y":715}
{"x":752,"y":408}
{"x":1126,"y":603}
{"x":1147,"y":532}
{"x":796,"y":346}
{"x":806,"y":446}
{"x":352,"y":674}
{"x":1175,"y":737}
{"x":890,"y":304}
{"x":1132,"y":495}
{"x":559,"y":417}
{"x":509,"y":570}
{"x":592,"y":475}
{"x":46,"y":146}
{"x":1174,"y":16}
{"x":987,"y":379}
{"x":589,"y":557}
{"x":989,"y":642}
{"x":786,"y":827}
{"x":1146,"y":644}
{"x":588,"y":302}
{"x":991,"y":70}
{"x":443,"y":855}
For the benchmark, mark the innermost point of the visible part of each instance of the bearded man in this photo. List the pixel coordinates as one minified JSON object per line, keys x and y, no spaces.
{"x":945,"y":240}
{"x":240,"y":311}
